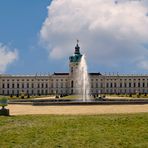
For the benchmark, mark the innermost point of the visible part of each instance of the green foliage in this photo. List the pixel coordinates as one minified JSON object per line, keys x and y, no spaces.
{"x":3,"y":101}
{"x":97,"y":131}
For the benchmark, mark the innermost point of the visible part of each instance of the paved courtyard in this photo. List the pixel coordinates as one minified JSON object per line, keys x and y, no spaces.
{"x":76,"y":109}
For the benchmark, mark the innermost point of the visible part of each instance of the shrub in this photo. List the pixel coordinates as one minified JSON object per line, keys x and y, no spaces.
{"x":3,"y":101}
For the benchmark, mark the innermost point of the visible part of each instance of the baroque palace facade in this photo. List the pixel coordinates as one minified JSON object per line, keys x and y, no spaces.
{"x":64,"y":83}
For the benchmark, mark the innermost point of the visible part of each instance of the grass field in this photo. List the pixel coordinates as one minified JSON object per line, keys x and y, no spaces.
{"x":96,"y":131}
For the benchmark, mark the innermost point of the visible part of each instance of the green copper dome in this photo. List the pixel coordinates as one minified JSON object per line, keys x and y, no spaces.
{"x":77,"y":55}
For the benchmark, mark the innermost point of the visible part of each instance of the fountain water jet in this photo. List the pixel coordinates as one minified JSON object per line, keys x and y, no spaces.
{"x":83,"y":79}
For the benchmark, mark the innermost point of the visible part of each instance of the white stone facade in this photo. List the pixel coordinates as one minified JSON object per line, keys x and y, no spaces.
{"x":61,"y":83}
{"x":64,"y":83}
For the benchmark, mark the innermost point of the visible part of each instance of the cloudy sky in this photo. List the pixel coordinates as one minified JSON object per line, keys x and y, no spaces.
{"x":39,"y":36}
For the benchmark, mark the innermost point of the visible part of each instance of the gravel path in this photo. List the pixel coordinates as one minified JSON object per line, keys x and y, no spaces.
{"x":74,"y":110}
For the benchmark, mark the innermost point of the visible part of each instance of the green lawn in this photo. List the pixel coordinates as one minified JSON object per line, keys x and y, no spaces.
{"x":94,"y":131}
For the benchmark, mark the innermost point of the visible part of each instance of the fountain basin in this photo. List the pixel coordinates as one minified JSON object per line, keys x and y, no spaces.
{"x":105,"y":101}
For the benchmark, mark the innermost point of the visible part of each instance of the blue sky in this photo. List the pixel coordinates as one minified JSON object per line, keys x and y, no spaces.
{"x":41,"y":39}
{"x":20,"y":23}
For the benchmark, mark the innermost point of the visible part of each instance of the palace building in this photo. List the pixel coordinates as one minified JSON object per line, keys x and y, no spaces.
{"x":64,"y":83}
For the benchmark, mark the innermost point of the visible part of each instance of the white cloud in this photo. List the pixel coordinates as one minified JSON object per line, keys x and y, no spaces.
{"x":110,"y":34}
{"x":6,"y":57}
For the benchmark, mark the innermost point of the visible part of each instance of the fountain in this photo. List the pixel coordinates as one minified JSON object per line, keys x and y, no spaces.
{"x":79,"y":85}
{"x":82,"y":78}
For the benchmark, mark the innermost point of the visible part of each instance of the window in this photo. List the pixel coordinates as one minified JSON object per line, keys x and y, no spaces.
{"x":120,"y":84}
{"x":46,"y":85}
{"x":115,"y":85}
{"x":38,"y":92}
{"x":96,"y":85}
{"x":3,"y":85}
{"x":12,"y":92}
{"x":134,"y":84}
{"x":101,"y":85}
{"x":27,"y":85}
{"x":13,"y":85}
{"x":42,"y":91}
{"x":38,"y":85}
{"x":138,"y":84}
{"x":32,"y":85}
{"x":8,"y":85}
{"x":17,"y":85}
{"x":143,"y":84}
{"x":52,"y":85}
{"x":42,"y":85}
{"x":22,"y":85}
{"x":57,"y":84}
{"x":111,"y":85}
{"x":72,"y":84}
{"x":46,"y":92}
{"x":129,"y":84}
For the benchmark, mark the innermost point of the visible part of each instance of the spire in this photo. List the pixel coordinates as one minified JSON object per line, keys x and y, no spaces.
{"x":77,"y":48}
